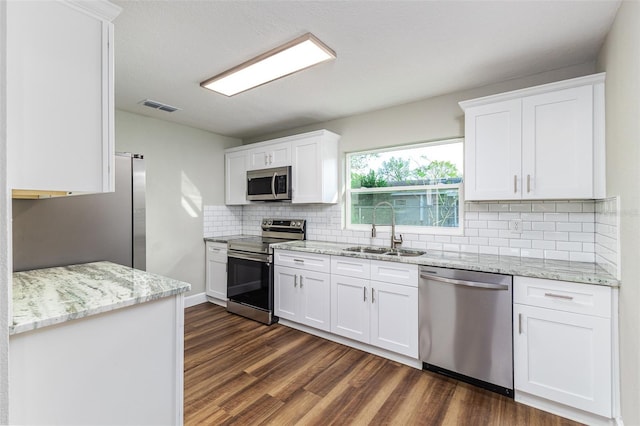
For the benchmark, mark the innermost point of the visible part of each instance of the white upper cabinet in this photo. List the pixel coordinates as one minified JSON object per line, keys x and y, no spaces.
{"x":546,"y":142}
{"x":60,"y":102}
{"x":272,"y":155}
{"x":313,"y":158}
{"x":235,"y":177}
{"x":314,"y":168}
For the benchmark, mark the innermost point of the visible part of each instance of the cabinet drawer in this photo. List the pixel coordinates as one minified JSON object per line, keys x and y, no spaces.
{"x":394,"y":272}
{"x":217,"y":252}
{"x":351,"y":267}
{"x":307,"y":261}
{"x":565,"y":296}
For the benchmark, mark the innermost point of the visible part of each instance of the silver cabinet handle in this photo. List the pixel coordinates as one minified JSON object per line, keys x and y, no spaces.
{"x":528,"y":183}
{"x":465,"y":283}
{"x":301,"y":281}
{"x":373,"y":296}
{"x":273,"y":184}
{"x":519,"y":323}
{"x":558,"y":296}
{"x":515,"y":184}
{"x":295,"y":280}
{"x":298,"y":260}
{"x":364,"y":293}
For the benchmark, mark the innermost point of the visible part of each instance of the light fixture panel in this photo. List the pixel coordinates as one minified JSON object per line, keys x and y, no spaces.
{"x":294,"y":56}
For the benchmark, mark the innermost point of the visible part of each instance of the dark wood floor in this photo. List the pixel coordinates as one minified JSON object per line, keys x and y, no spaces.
{"x":238,"y":371}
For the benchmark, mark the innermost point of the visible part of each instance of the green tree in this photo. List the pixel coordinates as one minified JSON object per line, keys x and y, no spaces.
{"x":395,"y":169}
{"x":368,"y":180}
{"x":436,"y":170}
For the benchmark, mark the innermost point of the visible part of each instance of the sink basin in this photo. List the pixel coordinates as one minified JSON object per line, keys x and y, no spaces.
{"x":371,"y":250}
{"x":386,"y":251}
{"x":405,"y":252}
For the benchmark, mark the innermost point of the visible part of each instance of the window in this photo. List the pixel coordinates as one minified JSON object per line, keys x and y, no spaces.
{"x":422,"y":182}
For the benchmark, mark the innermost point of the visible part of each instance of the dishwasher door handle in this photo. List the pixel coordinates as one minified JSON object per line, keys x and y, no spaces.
{"x":465,"y":283}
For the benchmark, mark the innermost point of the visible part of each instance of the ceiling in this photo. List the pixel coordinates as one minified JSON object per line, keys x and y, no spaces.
{"x":388,"y":53}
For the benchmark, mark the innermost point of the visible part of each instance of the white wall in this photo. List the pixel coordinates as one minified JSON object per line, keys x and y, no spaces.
{"x":185,"y":171}
{"x":5,"y":230}
{"x":620,"y":58}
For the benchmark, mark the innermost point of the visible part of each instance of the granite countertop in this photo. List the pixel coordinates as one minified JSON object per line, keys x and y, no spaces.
{"x":225,"y":239}
{"x":579,"y":272}
{"x":50,"y":296}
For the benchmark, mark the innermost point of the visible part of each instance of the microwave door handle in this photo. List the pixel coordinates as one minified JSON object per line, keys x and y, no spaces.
{"x":273,"y":184}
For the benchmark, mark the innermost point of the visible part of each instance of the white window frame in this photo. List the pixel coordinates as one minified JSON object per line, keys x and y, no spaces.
{"x":432,"y":230}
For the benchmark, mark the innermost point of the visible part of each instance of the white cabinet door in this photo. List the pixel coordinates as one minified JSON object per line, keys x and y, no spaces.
{"x":564,"y":357}
{"x":394,"y":317}
{"x":285,"y":289}
{"x":557,"y":144}
{"x":60,"y":108}
{"x":235,"y":191}
{"x":315,"y":299}
{"x":350,"y":307}
{"x":216,"y":273}
{"x":267,"y":156}
{"x":492,"y":151}
{"x":314,"y":168}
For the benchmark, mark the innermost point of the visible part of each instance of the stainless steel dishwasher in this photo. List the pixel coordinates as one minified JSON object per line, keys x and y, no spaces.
{"x":466,"y":326}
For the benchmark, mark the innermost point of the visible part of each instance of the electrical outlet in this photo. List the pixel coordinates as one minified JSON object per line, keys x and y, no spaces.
{"x":515,"y":226}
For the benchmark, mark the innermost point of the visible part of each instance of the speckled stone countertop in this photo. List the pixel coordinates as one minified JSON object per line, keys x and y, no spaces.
{"x":579,"y":272}
{"x":50,"y":296}
{"x":225,"y":239}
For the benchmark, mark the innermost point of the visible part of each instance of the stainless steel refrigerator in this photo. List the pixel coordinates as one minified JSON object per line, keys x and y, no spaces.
{"x":85,"y":228}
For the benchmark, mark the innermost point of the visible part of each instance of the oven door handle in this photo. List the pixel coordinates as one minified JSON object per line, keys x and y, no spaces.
{"x":264,"y":258}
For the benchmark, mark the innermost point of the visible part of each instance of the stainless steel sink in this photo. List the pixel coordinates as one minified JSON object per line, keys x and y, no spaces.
{"x":405,"y":252}
{"x":385,"y":250}
{"x":370,"y":250}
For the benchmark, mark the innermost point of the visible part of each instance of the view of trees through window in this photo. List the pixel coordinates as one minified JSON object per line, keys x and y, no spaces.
{"x":421,"y":182}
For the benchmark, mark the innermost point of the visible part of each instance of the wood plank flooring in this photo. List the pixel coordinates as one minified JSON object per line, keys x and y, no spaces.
{"x":238,"y":371}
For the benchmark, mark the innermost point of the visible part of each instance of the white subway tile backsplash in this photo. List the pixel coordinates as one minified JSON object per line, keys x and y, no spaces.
{"x":556,"y":236}
{"x":523,"y":207}
{"x":509,"y":251}
{"x":556,"y":255}
{"x":543,"y":208}
{"x":543,"y":226}
{"x":532,"y":217}
{"x":569,"y":226}
{"x":556,"y":217}
{"x":569,"y":207}
{"x":489,"y":250}
{"x":570,"y":230}
{"x":581,"y":217}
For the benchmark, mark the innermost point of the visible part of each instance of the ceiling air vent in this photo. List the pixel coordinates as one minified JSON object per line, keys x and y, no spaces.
{"x":158,"y":105}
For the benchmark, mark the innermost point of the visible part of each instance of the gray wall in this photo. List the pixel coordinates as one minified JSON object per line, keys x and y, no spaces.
{"x":426,"y":120}
{"x":620,"y":58}
{"x":185,"y":171}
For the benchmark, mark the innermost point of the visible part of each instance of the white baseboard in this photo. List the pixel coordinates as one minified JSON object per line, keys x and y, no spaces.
{"x":195,"y":299}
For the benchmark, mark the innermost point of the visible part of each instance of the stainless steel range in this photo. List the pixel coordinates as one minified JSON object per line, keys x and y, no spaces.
{"x":250,"y":268}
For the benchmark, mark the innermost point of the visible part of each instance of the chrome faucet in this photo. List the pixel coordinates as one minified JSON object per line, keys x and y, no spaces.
{"x":394,"y":241}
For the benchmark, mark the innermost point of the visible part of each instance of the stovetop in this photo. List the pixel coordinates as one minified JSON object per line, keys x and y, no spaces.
{"x":273,"y":231}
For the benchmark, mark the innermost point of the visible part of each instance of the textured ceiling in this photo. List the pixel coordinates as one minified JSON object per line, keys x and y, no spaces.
{"x":388,"y":53}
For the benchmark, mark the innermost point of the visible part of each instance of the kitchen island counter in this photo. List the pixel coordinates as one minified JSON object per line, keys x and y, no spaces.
{"x":96,"y":341}
{"x":44,"y":297}
{"x":579,"y":272}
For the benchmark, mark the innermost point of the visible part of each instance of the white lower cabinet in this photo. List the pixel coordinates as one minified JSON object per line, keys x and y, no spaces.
{"x":216,"y":272}
{"x":563,"y":344}
{"x":302,"y":296}
{"x":379,"y":313}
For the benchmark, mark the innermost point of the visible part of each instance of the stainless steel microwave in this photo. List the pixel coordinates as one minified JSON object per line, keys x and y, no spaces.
{"x":269,"y":184}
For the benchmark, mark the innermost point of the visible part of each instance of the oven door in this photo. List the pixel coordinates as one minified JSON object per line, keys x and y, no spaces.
{"x":250,"y":280}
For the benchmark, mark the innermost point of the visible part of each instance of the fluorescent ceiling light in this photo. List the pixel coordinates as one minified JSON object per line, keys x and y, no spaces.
{"x":291,"y":57}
